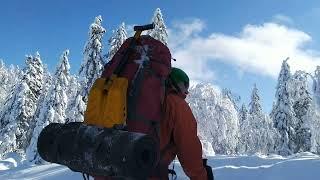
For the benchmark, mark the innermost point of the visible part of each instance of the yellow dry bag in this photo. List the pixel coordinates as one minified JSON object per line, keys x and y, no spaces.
{"x":107,"y":106}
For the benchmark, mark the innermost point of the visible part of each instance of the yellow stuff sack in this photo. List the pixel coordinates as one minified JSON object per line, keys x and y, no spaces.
{"x":107,"y":108}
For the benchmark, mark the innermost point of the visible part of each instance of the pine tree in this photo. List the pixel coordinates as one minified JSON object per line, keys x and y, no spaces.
{"x":314,"y":113}
{"x":8,"y":77}
{"x":234,"y":98}
{"x":243,"y":114}
{"x":283,"y":112}
{"x":92,"y":65}
{"x":160,"y":31}
{"x":255,"y":107}
{"x":53,"y":107}
{"x":116,"y":40}
{"x":301,"y":106}
{"x":4,"y":82}
{"x":314,"y":116}
{"x":76,"y":107}
{"x":261,"y":126}
{"x":245,"y":129}
{"x":316,"y":85}
{"x":255,"y":127}
{"x":216,"y":117}
{"x":17,"y":115}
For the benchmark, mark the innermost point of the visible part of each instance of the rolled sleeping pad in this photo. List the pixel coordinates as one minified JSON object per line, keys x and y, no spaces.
{"x":98,"y":151}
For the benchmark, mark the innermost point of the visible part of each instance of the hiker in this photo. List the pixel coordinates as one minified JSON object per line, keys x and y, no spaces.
{"x":178,"y":134}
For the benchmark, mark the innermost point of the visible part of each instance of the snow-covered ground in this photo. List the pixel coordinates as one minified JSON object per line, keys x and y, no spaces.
{"x":303,"y":166}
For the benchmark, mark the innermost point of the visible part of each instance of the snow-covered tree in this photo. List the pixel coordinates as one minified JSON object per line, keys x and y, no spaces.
{"x":283,"y":113}
{"x":302,"y":102}
{"x":314,"y":116}
{"x":35,"y":76}
{"x":216,"y":116}
{"x":3,"y":85}
{"x":53,"y":107}
{"x":257,"y":133}
{"x":244,"y":123}
{"x":316,"y":85}
{"x":160,"y":31}
{"x":19,"y":108}
{"x":255,"y":106}
{"x":92,"y":65}
{"x":116,"y":40}
{"x":243,"y":114}
{"x":76,"y":106}
{"x":9,"y":76}
{"x":234,"y":98}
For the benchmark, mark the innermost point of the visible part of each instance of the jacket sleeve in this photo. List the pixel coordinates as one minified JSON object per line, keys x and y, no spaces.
{"x":189,"y":150}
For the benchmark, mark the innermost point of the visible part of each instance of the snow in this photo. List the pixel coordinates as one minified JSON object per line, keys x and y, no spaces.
{"x":207,"y":149}
{"x":274,"y":167}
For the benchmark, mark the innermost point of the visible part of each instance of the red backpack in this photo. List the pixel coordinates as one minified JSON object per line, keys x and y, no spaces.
{"x":146,"y":70}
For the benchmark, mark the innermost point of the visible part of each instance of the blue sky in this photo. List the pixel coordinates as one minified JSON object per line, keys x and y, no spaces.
{"x":232,"y":44}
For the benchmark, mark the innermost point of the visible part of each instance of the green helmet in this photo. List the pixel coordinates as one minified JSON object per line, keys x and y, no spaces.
{"x":177,"y":76}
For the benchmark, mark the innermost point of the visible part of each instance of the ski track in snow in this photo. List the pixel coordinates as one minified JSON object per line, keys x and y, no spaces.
{"x":303,"y":166}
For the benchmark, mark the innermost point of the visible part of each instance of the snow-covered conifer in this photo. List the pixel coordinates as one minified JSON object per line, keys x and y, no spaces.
{"x":243,"y":113}
{"x":316,"y":85}
{"x":283,"y":113}
{"x":160,"y":31}
{"x":76,"y":106}
{"x":234,"y":98}
{"x":301,"y":106}
{"x":254,"y":106}
{"x":16,"y":116}
{"x":9,"y":77}
{"x":92,"y":65}
{"x":216,"y":116}
{"x":314,"y":116}
{"x":53,"y":107}
{"x":3,"y":85}
{"x":256,"y":129}
{"x":116,"y":40}
{"x":245,"y":128}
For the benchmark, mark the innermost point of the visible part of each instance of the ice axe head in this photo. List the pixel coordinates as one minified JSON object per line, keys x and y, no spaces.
{"x":139,"y":29}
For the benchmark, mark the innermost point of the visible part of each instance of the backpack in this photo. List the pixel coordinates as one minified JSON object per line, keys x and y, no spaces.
{"x":133,"y":95}
{"x":146,"y":71}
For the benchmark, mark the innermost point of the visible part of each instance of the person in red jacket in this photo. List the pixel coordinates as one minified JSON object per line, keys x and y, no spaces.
{"x":178,"y":131}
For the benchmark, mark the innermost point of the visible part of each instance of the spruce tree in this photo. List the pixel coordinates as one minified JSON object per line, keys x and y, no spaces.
{"x":92,"y":65}
{"x":283,"y":112}
{"x":53,"y":107}
{"x":9,"y":77}
{"x":160,"y":31}
{"x":4,"y":82}
{"x":243,"y":114}
{"x":76,"y":106}
{"x":316,"y":85}
{"x":301,"y":106}
{"x":245,"y":129}
{"x":116,"y":40}
{"x":254,"y":106}
{"x":16,"y":117}
{"x":217,"y":118}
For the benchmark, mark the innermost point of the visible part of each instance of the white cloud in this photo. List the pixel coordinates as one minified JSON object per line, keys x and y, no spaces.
{"x":258,"y":49}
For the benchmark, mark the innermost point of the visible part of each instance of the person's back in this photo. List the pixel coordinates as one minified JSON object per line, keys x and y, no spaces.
{"x":178,"y":134}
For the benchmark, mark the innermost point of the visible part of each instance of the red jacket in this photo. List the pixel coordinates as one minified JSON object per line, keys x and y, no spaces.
{"x":180,"y":126}
{"x":178,"y":136}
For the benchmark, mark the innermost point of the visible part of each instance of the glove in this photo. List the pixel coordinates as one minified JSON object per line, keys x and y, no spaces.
{"x":208,"y":169}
